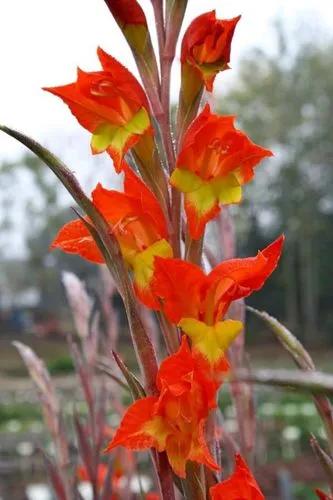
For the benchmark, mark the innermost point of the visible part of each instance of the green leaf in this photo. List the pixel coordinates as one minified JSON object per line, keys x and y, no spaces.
{"x":134,"y":384}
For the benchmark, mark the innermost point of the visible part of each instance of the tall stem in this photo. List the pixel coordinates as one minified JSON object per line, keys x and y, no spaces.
{"x":159,"y":21}
{"x":165,"y":125}
{"x":242,"y":393}
{"x":165,"y":477}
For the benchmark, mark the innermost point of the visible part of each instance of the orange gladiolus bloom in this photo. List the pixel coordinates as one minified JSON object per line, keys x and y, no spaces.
{"x":174,"y":421}
{"x":206,"y":46}
{"x":240,"y":486}
{"x":215,"y":160}
{"x":201,"y":317}
{"x":111,"y":104}
{"x":137,"y":221}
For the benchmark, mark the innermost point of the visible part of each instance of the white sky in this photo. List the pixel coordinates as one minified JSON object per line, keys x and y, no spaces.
{"x":43,"y":41}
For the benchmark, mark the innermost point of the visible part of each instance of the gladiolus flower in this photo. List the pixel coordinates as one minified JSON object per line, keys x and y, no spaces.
{"x":215,"y":160}
{"x":111,"y":104}
{"x":206,"y":46}
{"x":174,"y":421}
{"x":137,"y":221}
{"x":240,"y":486}
{"x":176,"y":280}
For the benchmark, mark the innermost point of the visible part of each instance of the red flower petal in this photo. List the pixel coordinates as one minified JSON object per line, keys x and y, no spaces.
{"x":132,"y":433}
{"x":75,"y":238}
{"x":176,"y":280}
{"x":240,"y":486}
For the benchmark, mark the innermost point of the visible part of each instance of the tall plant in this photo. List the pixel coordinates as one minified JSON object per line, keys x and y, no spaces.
{"x":151,"y":236}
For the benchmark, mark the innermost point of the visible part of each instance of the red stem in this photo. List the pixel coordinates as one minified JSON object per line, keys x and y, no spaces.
{"x":159,"y":20}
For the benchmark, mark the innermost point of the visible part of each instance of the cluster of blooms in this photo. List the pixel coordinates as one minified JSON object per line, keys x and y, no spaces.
{"x":214,"y":161}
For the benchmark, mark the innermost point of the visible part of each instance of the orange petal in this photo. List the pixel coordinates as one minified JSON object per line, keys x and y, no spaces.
{"x":197,"y":221}
{"x":251,"y":273}
{"x":150,"y":206}
{"x":75,"y":238}
{"x":241,"y":485}
{"x":176,"y":280}
{"x":123,"y":78}
{"x":134,"y":432}
{"x":200,"y":452}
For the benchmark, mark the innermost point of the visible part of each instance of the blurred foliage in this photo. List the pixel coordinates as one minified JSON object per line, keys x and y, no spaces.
{"x":22,"y":412}
{"x":44,"y":213}
{"x":61,"y":366}
{"x":284,"y":102}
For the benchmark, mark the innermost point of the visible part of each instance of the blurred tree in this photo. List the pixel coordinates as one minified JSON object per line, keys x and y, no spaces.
{"x":36,"y":214}
{"x":285,"y":102}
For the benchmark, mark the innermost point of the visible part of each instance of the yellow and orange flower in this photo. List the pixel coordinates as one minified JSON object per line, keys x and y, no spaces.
{"x":173,"y":421}
{"x":111,"y":104}
{"x":215,"y":160}
{"x":206,"y":46}
{"x":240,"y":486}
{"x":137,"y":221}
{"x":201,"y":317}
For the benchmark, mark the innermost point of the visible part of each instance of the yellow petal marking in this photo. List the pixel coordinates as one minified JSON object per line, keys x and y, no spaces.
{"x":159,"y":429}
{"x":143,"y":262}
{"x":108,"y":135}
{"x":211,"y":341}
{"x":202,"y":194}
